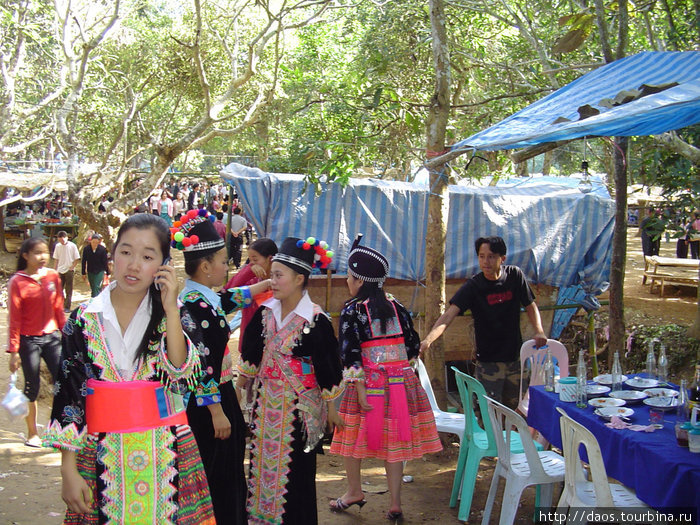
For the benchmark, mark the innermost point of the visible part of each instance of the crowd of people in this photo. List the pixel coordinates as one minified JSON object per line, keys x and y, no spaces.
{"x":171,"y":202}
{"x":653,"y":227}
{"x":139,"y":341}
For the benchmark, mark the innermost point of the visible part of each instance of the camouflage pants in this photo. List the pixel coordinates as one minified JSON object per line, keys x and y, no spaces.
{"x":502,"y":381}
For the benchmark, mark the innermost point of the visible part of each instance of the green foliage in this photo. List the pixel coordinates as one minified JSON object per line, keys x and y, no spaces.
{"x":352,"y":90}
{"x":682,"y":351}
{"x":653,"y":166}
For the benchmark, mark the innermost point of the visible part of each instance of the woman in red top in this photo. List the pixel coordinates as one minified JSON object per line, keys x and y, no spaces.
{"x":260,"y":255}
{"x":36,"y":320}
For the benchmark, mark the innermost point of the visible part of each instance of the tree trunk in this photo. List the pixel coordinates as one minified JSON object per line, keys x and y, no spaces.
{"x":521,"y":169}
{"x":617,"y":265}
{"x":3,"y":245}
{"x":547,"y":162}
{"x":437,"y":199}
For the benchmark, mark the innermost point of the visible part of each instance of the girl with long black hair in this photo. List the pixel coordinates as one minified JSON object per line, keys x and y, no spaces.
{"x":386,"y":412}
{"x":128,"y":454}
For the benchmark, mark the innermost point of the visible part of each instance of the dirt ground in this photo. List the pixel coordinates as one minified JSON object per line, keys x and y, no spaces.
{"x":30,"y":483}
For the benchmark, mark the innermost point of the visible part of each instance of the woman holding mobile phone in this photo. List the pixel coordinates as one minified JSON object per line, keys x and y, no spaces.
{"x":124,"y":349}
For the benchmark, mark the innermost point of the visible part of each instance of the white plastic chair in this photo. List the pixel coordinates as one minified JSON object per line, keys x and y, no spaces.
{"x":542,"y":468}
{"x":452,"y":423}
{"x":537,"y":357}
{"x":578,"y":491}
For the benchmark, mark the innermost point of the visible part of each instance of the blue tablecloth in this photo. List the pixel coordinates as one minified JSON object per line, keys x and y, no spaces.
{"x":663,"y":474}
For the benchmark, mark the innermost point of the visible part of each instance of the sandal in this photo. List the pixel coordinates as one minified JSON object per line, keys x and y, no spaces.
{"x":34,"y":442}
{"x":341,"y":506}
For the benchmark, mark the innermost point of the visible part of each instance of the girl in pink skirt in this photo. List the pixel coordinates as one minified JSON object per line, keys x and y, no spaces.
{"x":386,"y":411}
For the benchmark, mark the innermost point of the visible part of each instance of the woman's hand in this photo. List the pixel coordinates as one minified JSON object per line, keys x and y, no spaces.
{"x":362,"y":396}
{"x":74,"y":491}
{"x":222,"y":426}
{"x":334,"y":419}
{"x":167,"y":281}
{"x":241,"y":386}
{"x":15,"y":362}
{"x":259,"y":271}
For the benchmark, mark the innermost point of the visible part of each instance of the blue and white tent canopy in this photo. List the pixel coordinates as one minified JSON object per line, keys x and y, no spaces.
{"x":556,"y":234}
{"x":673,"y":108}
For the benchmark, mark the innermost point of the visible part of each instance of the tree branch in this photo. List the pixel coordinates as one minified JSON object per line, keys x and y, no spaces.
{"x":197,"y":55}
{"x":603,"y":32}
{"x":672,"y":142}
{"x":622,"y":29}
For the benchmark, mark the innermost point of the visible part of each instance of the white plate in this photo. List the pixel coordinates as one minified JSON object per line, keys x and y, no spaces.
{"x":599,"y":402}
{"x":597,"y":390}
{"x":614,"y":411}
{"x":660,"y":392}
{"x":631,"y":396}
{"x":606,"y":379}
{"x":664,"y":403}
{"x":641,"y":382}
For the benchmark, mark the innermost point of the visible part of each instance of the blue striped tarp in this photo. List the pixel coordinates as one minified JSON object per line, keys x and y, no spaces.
{"x":667,"y":110}
{"x":556,"y":234}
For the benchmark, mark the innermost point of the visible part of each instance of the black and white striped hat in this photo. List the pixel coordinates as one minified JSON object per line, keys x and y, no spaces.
{"x":367,"y":264}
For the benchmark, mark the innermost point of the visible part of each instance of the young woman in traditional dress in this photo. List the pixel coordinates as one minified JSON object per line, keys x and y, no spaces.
{"x":386,"y":412}
{"x":213,"y":412}
{"x":289,"y":348}
{"x":128,"y":454}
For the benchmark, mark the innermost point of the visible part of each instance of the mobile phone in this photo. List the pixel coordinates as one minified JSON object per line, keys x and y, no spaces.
{"x":155,"y":282}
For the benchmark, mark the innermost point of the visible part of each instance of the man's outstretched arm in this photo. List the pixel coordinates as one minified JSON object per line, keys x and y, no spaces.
{"x":439,"y":327}
{"x":533,"y":313}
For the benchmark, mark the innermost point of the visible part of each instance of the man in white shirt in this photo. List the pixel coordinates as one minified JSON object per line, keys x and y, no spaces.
{"x":66,"y":256}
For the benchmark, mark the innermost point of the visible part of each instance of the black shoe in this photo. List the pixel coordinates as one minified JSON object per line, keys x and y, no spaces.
{"x":394,"y":516}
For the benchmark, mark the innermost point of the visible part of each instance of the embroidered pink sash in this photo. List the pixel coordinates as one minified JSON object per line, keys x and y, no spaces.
{"x":377,"y":376}
{"x":131,"y":406}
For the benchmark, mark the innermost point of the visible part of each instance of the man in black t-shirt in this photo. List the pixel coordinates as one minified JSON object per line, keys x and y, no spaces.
{"x":494,"y":297}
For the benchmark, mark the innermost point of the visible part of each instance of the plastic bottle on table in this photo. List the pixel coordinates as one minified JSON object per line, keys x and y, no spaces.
{"x":548,"y":371}
{"x":581,"y":396}
{"x":616,"y":375}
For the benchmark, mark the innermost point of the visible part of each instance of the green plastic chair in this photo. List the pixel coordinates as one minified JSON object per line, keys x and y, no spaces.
{"x":477,"y":443}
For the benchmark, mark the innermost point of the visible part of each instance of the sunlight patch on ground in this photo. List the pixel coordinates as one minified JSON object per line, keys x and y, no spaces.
{"x":26,"y":455}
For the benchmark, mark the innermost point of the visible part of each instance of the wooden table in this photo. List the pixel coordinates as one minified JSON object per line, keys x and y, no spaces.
{"x":20,"y":229}
{"x":679,"y":271}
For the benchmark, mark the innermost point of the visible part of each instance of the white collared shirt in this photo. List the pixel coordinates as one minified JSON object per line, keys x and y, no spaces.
{"x":123,"y":347}
{"x":65,"y":255}
{"x":304,"y":308}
